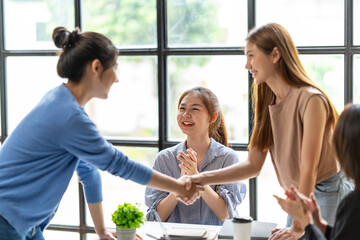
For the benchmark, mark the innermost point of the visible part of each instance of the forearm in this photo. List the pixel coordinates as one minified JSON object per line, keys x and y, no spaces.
{"x":167,"y":206}
{"x":306,"y":186}
{"x":307,"y":180}
{"x":237,"y":172}
{"x":215,"y":203}
{"x":96,"y":212}
{"x":163,"y":182}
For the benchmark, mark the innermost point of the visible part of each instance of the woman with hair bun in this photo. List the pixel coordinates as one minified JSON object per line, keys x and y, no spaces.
{"x":205,"y":148}
{"x":294,"y":120}
{"x":57,"y":137}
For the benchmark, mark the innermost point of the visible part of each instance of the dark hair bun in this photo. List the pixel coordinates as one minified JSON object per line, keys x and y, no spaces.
{"x":64,"y":39}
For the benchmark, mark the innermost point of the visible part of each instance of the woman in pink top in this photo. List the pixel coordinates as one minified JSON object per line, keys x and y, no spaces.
{"x":294,"y":120}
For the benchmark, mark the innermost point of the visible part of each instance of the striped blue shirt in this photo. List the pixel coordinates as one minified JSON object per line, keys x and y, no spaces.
{"x":218,"y":156}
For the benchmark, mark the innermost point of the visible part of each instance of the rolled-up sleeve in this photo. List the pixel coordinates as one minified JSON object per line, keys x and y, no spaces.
{"x":153,"y":197}
{"x":233,"y":194}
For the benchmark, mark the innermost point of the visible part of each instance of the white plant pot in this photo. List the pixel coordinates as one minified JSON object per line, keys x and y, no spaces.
{"x":125,"y":233}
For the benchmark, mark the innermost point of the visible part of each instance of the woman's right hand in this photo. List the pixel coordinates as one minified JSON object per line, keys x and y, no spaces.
{"x":296,"y":205}
{"x":313,"y":206}
{"x":188,"y":191}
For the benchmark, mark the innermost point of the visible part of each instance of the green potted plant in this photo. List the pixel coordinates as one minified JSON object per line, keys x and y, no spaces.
{"x":127,"y":218}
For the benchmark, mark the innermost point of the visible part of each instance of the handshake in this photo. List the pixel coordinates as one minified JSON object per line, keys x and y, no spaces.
{"x":189,"y":188}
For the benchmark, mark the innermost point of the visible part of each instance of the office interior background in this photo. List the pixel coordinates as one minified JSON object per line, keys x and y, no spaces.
{"x":165,"y":48}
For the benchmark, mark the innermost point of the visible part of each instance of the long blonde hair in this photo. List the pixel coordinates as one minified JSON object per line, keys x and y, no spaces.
{"x":290,"y":69}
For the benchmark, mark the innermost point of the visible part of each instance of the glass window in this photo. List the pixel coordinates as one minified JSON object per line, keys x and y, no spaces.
{"x":28,"y":79}
{"x":131,"y":111}
{"x":356,"y":13}
{"x":128,"y":23}
{"x":244,"y":207}
{"x":356,"y":79}
{"x":267,"y":185}
{"x":29,"y":24}
{"x":328,"y":72}
{"x":117,"y":190}
{"x":206,"y":23}
{"x":310,"y":23}
{"x":68,"y":211}
{"x":225,"y":76}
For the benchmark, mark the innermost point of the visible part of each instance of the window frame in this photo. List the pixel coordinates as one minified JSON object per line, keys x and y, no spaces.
{"x":162,"y":52}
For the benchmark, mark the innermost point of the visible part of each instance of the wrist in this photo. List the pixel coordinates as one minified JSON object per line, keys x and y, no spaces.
{"x":306,"y":220}
{"x":322,"y":225}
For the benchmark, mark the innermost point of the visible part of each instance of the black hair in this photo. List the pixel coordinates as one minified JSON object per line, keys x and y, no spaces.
{"x":80,"y":49}
{"x":346,"y":141}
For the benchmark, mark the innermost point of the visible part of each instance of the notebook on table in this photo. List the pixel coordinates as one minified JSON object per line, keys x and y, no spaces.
{"x":179,"y":231}
{"x":259,"y":230}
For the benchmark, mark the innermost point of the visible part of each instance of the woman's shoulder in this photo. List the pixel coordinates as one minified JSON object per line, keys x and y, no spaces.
{"x":221,"y":150}
{"x":308,"y":91}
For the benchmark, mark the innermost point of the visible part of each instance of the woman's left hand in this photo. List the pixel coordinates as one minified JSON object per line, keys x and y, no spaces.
{"x":285,"y":233}
{"x":107,"y":235}
{"x":188,"y":162}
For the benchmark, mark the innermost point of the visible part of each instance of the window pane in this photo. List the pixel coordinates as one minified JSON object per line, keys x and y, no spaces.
{"x":28,"y":79}
{"x":29,"y":24}
{"x":128,"y":23}
{"x":356,"y":30}
{"x":60,"y":235}
{"x":117,"y":191}
{"x":356,"y":79}
{"x":68,"y":212}
{"x":309,"y":22}
{"x":206,"y":23}
{"x":244,"y":207}
{"x":267,"y":185}
{"x":328,"y":72}
{"x":131,"y":111}
{"x":225,"y":76}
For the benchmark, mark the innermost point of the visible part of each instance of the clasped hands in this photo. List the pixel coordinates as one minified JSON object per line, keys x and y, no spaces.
{"x":192,"y":185}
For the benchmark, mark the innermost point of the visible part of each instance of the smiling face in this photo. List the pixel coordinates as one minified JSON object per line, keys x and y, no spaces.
{"x":261,"y":66}
{"x":193,"y":117}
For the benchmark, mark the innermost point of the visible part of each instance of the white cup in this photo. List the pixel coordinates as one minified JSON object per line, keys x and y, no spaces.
{"x":242,"y":228}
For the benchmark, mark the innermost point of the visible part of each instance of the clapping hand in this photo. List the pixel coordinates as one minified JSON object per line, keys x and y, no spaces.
{"x":188,"y":162}
{"x":296,"y":205}
{"x":314,"y":207}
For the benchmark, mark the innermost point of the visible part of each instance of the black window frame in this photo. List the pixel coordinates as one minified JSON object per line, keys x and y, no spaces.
{"x":162,"y":51}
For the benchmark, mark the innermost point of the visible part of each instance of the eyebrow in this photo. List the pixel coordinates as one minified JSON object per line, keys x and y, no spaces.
{"x":247,"y":52}
{"x":193,"y":105}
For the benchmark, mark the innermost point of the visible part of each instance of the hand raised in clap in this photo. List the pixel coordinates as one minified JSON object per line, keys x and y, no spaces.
{"x":188,"y":162}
